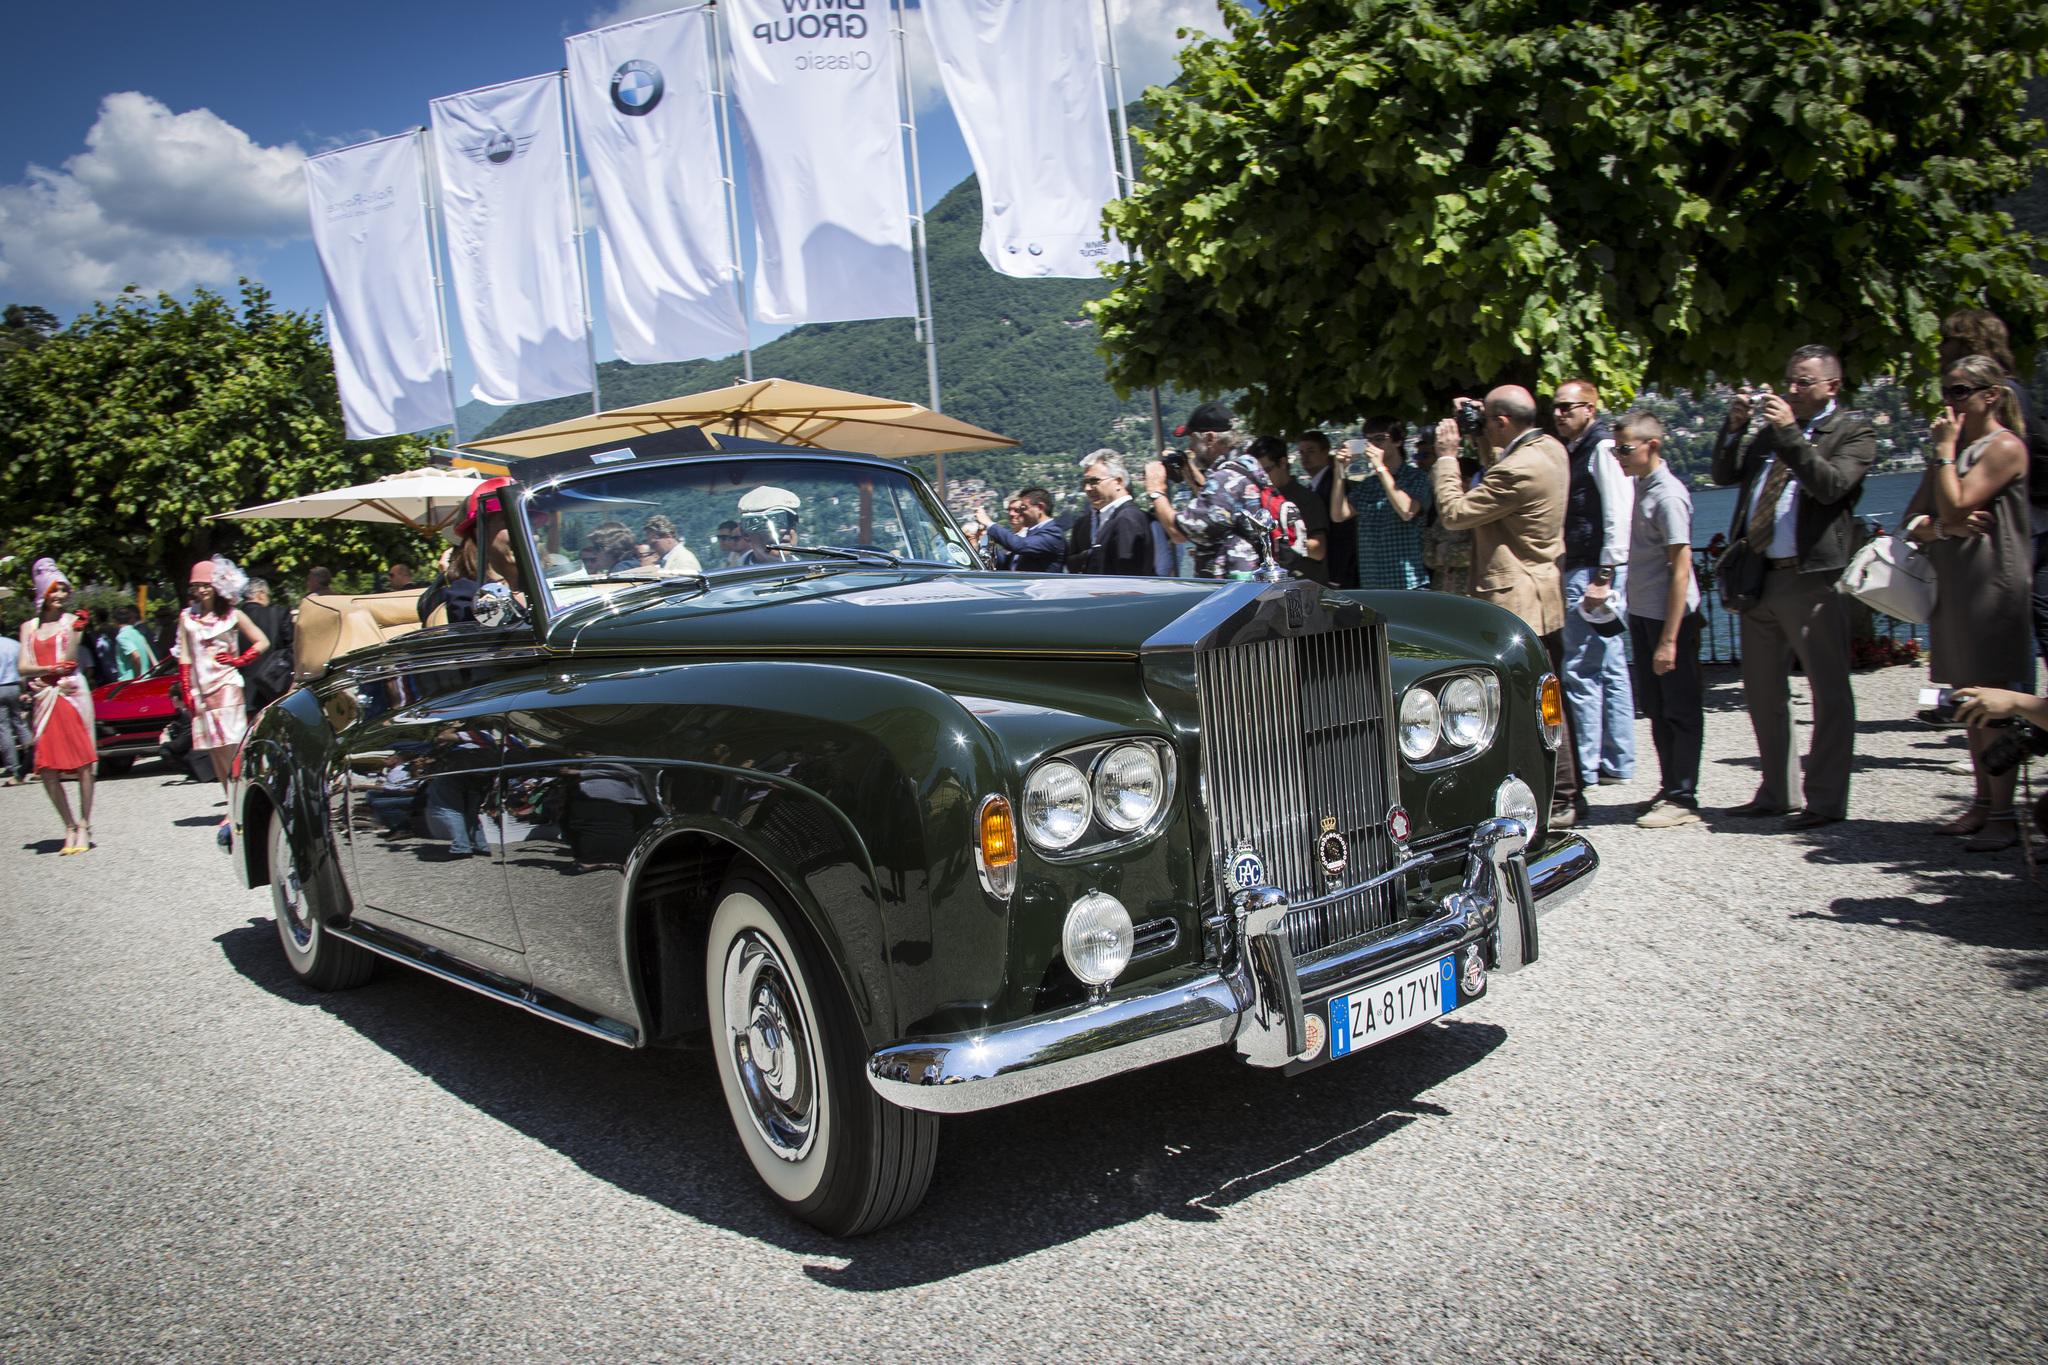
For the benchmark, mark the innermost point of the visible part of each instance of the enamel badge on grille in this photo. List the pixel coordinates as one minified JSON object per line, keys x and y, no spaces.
{"x":1331,"y":850}
{"x":1247,"y":870}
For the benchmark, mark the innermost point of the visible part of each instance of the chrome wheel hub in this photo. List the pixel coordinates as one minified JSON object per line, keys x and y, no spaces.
{"x":290,"y":897}
{"x":768,"y":1046}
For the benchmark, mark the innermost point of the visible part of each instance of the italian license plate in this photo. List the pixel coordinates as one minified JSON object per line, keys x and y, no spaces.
{"x":1391,"y":1007}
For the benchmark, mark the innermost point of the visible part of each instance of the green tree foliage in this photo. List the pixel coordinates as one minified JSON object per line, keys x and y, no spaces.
{"x":120,"y":434}
{"x":1355,"y":204}
{"x":23,"y":327}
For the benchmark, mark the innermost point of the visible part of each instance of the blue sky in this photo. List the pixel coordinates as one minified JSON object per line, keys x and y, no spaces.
{"x":159,"y":144}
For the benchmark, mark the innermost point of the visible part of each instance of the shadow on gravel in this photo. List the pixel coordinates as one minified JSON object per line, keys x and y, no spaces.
{"x":1985,"y":901}
{"x":1187,"y":1140}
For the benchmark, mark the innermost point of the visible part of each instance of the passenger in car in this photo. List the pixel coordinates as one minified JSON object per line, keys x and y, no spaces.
{"x":769,"y":518}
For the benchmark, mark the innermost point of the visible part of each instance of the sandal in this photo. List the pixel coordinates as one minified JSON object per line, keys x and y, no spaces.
{"x":1962,"y":824}
{"x":1994,"y":843}
{"x":85,"y":842}
{"x":71,"y":844}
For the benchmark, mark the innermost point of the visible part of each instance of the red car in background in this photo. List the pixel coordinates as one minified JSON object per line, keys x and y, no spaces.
{"x":129,"y":717}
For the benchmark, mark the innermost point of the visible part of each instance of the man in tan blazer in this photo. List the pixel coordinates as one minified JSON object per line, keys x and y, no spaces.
{"x":1516,"y":516}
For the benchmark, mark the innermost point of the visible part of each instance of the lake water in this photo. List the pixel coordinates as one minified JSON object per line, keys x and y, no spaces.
{"x":1884,"y":501}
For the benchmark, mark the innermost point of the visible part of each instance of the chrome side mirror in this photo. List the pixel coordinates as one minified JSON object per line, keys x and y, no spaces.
{"x":495,"y":606}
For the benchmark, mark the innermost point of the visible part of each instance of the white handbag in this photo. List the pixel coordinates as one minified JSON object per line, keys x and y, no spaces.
{"x":1892,"y":576}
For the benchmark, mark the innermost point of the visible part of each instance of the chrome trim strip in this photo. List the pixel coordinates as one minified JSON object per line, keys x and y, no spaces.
{"x":548,"y":1007}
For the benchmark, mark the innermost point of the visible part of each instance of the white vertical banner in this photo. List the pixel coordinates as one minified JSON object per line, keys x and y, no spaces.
{"x":816,"y":81}
{"x":642,"y":96}
{"x":1026,"y":87}
{"x":508,"y":210}
{"x":377,"y":257}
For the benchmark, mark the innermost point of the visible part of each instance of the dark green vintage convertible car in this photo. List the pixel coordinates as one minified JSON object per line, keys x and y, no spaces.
{"x":903,"y":836}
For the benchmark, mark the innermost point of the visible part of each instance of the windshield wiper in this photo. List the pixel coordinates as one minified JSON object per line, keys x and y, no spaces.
{"x":844,"y":552}
{"x":631,"y":576}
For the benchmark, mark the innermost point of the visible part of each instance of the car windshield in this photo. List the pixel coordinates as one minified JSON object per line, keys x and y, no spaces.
{"x":607,"y":532}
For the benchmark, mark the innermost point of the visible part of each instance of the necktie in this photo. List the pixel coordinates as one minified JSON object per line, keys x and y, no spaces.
{"x":1763,"y":516}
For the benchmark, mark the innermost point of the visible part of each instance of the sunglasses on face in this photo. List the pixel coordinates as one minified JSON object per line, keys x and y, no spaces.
{"x":1090,"y":483}
{"x":1624,"y":449}
{"x":1567,"y":409}
{"x":1957,"y":393}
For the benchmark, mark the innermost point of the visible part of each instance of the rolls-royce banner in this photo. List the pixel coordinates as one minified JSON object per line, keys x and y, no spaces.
{"x":816,"y":81}
{"x":370,"y":228}
{"x":510,"y":220}
{"x":1023,"y":80}
{"x":642,"y":96}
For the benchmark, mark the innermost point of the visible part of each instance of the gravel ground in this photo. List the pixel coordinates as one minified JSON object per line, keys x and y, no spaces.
{"x":1766,"y":1097}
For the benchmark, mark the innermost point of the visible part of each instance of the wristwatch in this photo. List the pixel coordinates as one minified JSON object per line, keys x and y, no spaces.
{"x":1604,"y":575}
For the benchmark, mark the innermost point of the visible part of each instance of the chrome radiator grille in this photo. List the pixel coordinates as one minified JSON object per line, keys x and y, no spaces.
{"x":1294,"y":731}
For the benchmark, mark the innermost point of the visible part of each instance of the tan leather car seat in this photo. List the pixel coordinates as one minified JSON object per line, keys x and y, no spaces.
{"x":330,"y":625}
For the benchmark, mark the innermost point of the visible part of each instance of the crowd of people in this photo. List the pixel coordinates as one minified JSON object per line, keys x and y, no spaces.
{"x":1584,"y":533}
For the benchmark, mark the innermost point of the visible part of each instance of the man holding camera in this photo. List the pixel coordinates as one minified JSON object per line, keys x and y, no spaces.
{"x":1226,"y":485}
{"x":1801,"y":476}
{"x":1516,"y":515}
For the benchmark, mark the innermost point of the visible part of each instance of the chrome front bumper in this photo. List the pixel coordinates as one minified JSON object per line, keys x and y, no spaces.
{"x":1253,"y":999}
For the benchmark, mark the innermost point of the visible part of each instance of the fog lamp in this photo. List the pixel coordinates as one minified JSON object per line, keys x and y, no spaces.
{"x":1516,"y":801}
{"x":1097,"y":938}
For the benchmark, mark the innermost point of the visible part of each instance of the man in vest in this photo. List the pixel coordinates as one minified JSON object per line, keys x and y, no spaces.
{"x":1597,"y":512}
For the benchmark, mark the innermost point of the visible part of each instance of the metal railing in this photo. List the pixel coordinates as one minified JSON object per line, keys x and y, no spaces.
{"x":1721,"y":631}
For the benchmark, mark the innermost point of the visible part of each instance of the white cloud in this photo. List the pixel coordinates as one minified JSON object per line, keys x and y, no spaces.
{"x":141,"y":203}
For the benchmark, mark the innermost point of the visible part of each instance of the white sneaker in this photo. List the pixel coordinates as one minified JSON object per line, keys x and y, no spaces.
{"x":1665,"y":814}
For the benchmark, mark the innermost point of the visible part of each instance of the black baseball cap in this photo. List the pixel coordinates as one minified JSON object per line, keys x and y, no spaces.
{"x":1207,"y":417}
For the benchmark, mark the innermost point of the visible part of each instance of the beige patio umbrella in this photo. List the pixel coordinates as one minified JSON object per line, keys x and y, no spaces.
{"x":424,"y":499}
{"x":767,"y":410}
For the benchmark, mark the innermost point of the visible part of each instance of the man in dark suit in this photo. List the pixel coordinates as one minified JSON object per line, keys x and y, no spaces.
{"x":1115,"y":536}
{"x":1801,"y":476}
{"x":1034,"y":546}
{"x":1341,"y":539}
{"x":270,"y":677}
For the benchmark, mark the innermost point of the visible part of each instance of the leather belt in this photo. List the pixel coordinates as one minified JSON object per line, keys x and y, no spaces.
{"x":1789,"y":562}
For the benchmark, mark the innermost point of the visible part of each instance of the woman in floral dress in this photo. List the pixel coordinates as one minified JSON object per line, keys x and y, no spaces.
{"x":210,"y":666}
{"x":63,"y":703}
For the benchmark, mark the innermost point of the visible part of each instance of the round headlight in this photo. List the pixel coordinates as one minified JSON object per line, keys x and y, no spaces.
{"x":1097,"y":938}
{"x":1514,"y":800}
{"x":1055,"y":805}
{"x":1129,"y":787}
{"x":1468,"y":713}
{"x":1418,"y":723}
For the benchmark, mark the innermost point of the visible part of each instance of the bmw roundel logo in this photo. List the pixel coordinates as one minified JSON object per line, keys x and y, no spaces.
{"x":500,"y":148}
{"x":636,"y":88}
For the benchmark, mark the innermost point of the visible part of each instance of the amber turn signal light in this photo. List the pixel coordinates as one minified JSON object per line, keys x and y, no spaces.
{"x":995,"y":853}
{"x":1550,"y":699}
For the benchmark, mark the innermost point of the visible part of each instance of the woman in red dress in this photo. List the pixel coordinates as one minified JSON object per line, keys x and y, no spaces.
{"x":63,"y":703}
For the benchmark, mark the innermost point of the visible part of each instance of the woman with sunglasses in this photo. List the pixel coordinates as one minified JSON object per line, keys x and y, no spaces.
{"x":1971,"y":517}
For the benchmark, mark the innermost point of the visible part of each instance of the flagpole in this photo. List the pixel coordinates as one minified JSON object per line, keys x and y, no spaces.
{"x":582,"y":251}
{"x":430,"y":200}
{"x":1127,"y":178}
{"x":721,"y":43}
{"x":924,"y":269}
